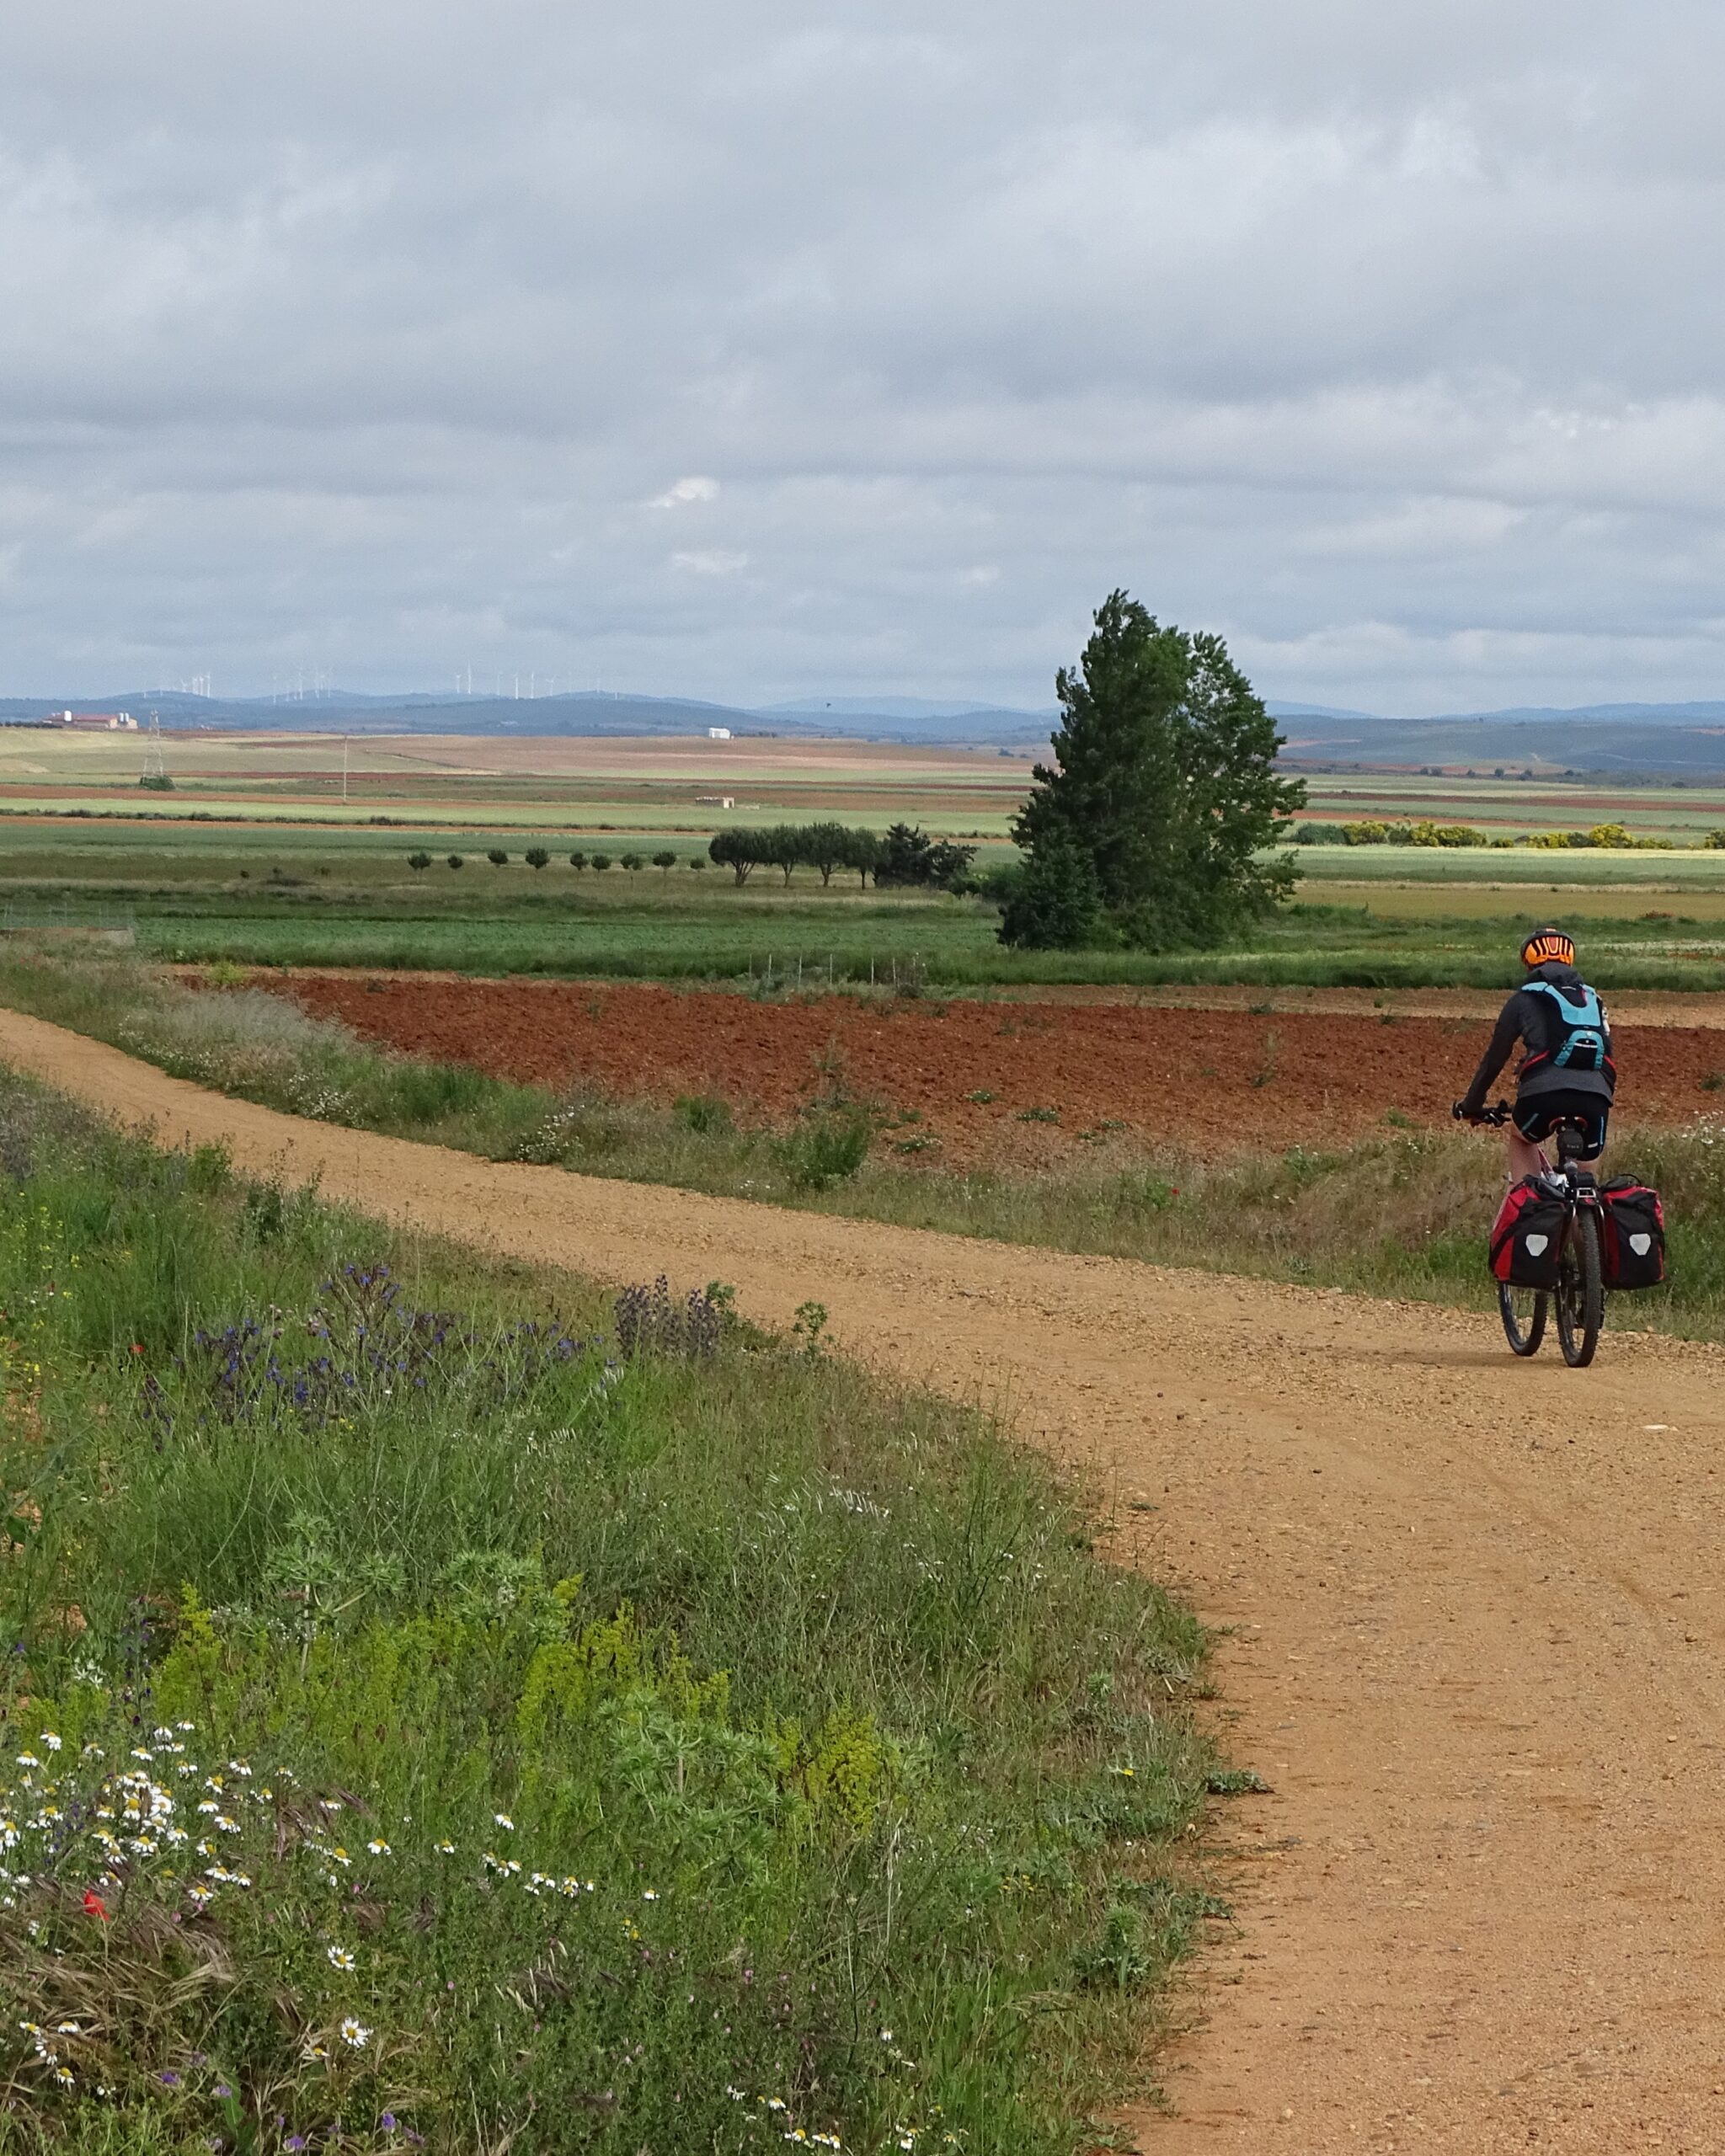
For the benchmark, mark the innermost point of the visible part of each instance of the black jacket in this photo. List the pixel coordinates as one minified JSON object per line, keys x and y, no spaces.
{"x":1529,"y":1018}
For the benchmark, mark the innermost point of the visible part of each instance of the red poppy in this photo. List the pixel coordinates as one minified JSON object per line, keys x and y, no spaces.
{"x":136,"y":1347}
{"x":95,"y":1906}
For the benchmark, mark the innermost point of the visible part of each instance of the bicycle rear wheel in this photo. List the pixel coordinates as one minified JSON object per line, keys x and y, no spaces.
{"x":1523,"y":1310}
{"x":1581,"y":1291}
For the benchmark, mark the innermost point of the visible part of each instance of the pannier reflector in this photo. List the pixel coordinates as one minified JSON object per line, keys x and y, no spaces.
{"x":1534,"y":1244}
{"x":1640,"y":1245}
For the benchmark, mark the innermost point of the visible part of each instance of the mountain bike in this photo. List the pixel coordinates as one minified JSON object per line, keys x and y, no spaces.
{"x":1580,"y":1292}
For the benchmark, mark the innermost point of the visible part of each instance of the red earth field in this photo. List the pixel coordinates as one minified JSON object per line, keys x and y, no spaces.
{"x":1018,"y":1081}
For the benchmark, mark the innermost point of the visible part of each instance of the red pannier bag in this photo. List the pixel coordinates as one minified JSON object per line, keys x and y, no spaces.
{"x":1634,"y":1253}
{"x":1527,"y":1237}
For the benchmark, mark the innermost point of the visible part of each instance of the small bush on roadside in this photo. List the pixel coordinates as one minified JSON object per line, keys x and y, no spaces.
{"x":703,"y":1114}
{"x":419,"y":861}
{"x":497,"y":858}
{"x":828,"y":1146}
{"x":535,"y":856}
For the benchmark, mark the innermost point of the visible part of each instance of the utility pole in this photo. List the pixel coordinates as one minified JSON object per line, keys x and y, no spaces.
{"x":344,"y":771}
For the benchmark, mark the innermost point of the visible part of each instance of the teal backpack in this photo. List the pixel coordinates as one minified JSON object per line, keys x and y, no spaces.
{"x":1582,"y":1020}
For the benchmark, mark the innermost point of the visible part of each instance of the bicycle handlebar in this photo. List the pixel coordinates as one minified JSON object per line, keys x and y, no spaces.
{"x":1496,"y":1116}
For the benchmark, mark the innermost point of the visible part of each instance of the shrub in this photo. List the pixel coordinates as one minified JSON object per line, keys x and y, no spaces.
{"x":455,"y":861}
{"x":1365,"y":834}
{"x":665,"y":860}
{"x":419,"y":861}
{"x":601,"y":861}
{"x":497,"y":856}
{"x":535,"y":856}
{"x":908,"y":855}
{"x":578,"y":859}
{"x":156,"y":782}
{"x":704,"y":1115}
{"x":1428,"y":833}
{"x":830,"y":1147}
{"x":629,"y":860}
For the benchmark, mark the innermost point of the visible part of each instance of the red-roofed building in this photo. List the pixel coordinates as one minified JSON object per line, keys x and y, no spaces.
{"x":102,"y":722}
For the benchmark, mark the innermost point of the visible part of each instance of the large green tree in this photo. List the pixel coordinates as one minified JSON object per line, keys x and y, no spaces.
{"x":1151,"y":826}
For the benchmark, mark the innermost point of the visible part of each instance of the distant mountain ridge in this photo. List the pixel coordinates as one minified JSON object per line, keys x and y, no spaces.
{"x":587,"y":711}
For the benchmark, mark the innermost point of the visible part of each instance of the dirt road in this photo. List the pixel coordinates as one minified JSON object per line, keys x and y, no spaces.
{"x":1479,"y":1616}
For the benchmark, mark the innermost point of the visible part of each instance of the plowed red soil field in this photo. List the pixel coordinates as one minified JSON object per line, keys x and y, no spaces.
{"x":1015,"y":1081}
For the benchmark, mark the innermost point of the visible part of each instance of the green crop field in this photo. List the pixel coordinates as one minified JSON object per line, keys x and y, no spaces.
{"x":309,"y":894}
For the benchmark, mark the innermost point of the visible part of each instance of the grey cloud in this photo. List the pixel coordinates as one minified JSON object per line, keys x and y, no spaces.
{"x":393,"y":339}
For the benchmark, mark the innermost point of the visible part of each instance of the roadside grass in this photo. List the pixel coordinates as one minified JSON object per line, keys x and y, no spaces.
{"x":451,"y":1712}
{"x":1403,"y":1214}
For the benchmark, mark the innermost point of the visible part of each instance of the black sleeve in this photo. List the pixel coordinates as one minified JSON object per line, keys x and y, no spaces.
{"x":1499,"y":1050}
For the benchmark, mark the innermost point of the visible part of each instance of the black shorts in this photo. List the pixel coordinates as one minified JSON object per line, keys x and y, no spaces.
{"x":1536,"y":1118}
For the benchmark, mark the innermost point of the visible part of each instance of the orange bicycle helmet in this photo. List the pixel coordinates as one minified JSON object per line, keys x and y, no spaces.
{"x":1548,"y":946}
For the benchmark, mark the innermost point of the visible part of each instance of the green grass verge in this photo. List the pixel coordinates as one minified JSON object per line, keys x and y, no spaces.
{"x":948,"y":944}
{"x":444,"y":1717}
{"x":1403,"y":1214}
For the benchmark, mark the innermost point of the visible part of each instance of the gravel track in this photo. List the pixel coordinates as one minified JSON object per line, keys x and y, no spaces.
{"x":1476,"y":1608}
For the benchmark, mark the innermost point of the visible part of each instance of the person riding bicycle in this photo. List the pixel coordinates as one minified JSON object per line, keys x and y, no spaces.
{"x":1567,"y":1067}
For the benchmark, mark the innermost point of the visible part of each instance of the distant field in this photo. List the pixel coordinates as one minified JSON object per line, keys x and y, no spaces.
{"x":317,"y":894}
{"x":1602,"y":902}
{"x":1490,"y":868}
{"x":561,"y":782}
{"x":526,"y":784}
{"x":1509,"y":808}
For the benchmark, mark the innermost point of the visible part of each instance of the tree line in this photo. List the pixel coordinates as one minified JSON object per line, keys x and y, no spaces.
{"x":904,"y":855}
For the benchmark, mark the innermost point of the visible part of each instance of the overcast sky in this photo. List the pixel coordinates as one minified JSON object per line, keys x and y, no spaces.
{"x":700,"y":349}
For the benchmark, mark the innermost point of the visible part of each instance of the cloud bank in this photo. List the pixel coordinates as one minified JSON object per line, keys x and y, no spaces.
{"x":709,"y":351}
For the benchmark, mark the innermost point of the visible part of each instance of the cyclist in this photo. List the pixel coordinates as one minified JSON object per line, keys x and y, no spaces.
{"x":1566,"y":1067}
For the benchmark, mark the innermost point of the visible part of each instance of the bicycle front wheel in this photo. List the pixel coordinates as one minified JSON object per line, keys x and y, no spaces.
{"x":1581,"y":1291}
{"x":1523,"y":1310}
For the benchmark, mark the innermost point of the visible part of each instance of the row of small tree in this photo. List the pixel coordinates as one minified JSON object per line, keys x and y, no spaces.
{"x":535,"y":856}
{"x":904,"y":855}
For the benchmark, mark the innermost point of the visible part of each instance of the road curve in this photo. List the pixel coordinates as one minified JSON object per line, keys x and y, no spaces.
{"x":1476,"y":1615}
